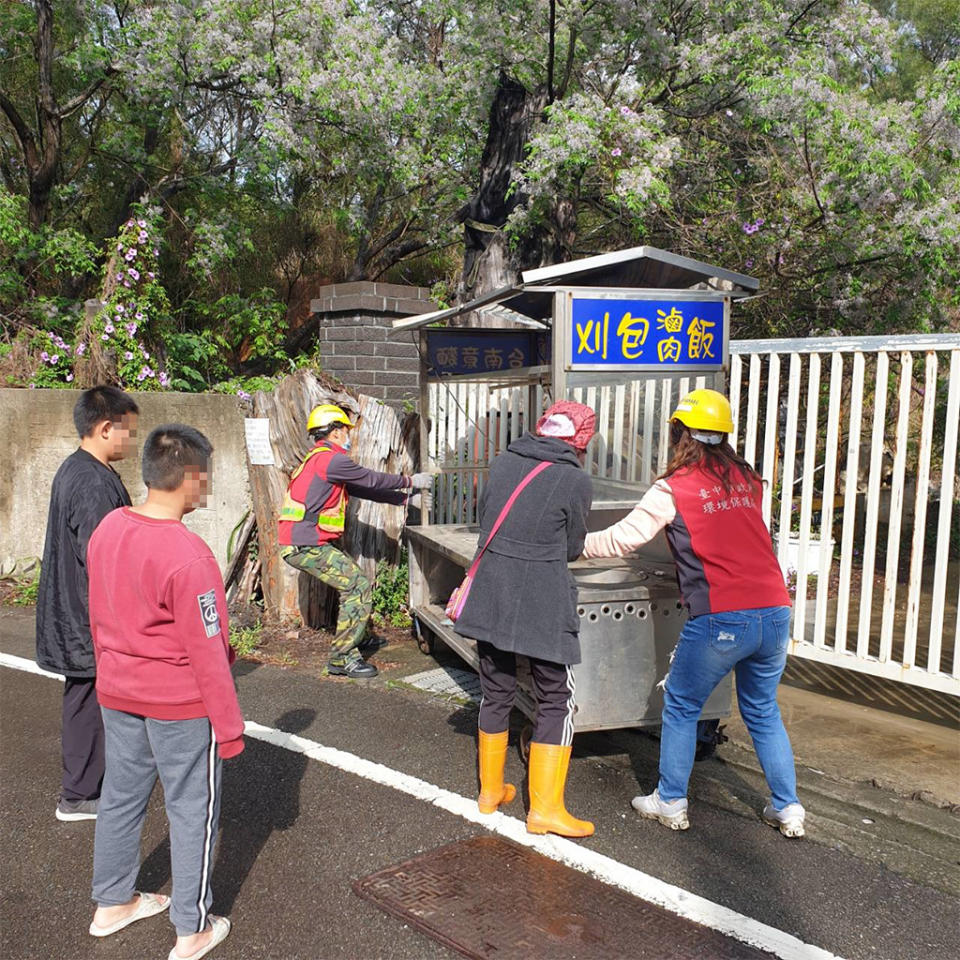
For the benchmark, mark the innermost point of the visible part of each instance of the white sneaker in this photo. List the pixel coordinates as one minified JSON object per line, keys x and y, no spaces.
{"x":789,"y":820}
{"x":672,"y":814}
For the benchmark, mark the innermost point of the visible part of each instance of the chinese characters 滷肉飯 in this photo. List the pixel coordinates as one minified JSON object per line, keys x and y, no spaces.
{"x":647,"y":332}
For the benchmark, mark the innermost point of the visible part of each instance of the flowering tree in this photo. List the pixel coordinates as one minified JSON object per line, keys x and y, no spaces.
{"x":812,"y":144}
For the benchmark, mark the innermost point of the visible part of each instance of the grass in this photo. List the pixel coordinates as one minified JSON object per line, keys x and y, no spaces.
{"x":245,"y":640}
{"x":23,"y":593}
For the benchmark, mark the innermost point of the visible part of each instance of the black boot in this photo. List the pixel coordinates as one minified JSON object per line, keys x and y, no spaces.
{"x":354,"y":669}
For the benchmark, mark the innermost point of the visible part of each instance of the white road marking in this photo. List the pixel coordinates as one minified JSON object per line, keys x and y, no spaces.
{"x":643,"y":885}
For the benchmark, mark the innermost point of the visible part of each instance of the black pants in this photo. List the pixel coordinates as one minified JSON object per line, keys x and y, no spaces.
{"x":81,"y":738}
{"x":553,"y":685}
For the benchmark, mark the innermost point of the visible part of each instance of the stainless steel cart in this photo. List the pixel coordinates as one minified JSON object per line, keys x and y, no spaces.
{"x":629,"y":316}
{"x":630,"y":618}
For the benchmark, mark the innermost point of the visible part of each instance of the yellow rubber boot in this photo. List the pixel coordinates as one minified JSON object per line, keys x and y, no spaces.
{"x":548,"y":766}
{"x":492,"y":749}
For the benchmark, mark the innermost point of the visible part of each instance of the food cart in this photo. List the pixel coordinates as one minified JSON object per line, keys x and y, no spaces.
{"x":629,"y":316}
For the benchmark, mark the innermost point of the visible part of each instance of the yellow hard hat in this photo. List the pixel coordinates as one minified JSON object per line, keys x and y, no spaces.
{"x":326,"y":414}
{"x":704,"y":410}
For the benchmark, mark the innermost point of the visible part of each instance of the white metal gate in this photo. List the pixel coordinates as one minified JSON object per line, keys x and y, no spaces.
{"x":857,"y":440}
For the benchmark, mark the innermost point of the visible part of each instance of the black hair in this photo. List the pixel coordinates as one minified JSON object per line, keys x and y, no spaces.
{"x":321,"y":433}
{"x":101,"y":403}
{"x":169,"y":450}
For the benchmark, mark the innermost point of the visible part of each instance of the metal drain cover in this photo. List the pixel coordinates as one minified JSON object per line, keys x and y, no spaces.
{"x":488,"y":897}
{"x":448,"y":682}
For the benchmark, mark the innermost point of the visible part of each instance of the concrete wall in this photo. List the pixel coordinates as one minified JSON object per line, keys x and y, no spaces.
{"x":356,"y":340}
{"x":37,"y":431}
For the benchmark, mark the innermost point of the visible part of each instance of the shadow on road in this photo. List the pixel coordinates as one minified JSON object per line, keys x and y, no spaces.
{"x":261,"y":794}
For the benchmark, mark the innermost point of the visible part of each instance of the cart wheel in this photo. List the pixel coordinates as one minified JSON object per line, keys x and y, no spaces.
{"x":709,"y":736}
{"x":526,"y":735}
{"x":424,"y":637}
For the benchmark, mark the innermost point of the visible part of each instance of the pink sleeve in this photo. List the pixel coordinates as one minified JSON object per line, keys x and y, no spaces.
{"x":654,"y":511}
{"x":200,"y":609}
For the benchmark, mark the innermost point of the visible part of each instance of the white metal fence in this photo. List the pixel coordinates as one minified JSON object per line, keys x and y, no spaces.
{"x":857,"y":440}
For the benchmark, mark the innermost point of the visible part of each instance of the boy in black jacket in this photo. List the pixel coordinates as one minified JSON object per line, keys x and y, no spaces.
{"x":85,"y":489}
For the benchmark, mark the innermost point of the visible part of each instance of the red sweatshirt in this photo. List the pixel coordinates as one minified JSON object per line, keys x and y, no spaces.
{"x":158,"y":616}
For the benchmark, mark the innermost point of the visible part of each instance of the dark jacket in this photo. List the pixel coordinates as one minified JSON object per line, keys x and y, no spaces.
{"x":524,"y":597}
{"x":84,"y":491}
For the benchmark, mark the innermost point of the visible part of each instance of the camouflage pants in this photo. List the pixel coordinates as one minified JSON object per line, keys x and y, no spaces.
{"x":334,"y":568}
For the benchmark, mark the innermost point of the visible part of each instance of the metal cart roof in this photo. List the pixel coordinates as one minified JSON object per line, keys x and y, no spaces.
{"x":635,"y":268}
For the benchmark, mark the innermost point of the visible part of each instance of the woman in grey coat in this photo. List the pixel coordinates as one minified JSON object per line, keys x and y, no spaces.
{"x":524,"y":600}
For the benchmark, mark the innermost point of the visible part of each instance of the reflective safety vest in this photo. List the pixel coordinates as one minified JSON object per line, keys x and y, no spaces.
{"x":333,"y":511}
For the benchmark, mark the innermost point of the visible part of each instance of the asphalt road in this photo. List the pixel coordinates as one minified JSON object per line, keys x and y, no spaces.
{"x":296,"y":833}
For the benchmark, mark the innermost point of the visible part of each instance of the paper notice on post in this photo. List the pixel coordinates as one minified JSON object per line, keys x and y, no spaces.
{"x":258,"y":440}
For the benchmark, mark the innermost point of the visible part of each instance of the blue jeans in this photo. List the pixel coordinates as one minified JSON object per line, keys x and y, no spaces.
{"x":754,"y":644}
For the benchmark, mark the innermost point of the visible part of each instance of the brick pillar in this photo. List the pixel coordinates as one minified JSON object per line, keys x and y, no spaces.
{"x":354,"y":322}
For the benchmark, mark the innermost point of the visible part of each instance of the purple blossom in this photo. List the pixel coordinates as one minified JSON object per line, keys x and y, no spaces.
{"x":142,"y":375}
{"x":131,"y":328}
{"x":626,"y":111}
{"x":156,"y":252}
{"x":119,"y":277}
{"x":55,"y":358}
{"x":126,"y":283}
{"x":135,"y":274}
{"x":109,"y":328}
{"x":128,"y":355}
{"x":104,"y":336}
{"x":164,"y":379}
{"x":49,"y":335}
{"x":142,"y":237}
{"x":748,"y":264}
{"x":81,"y":349}
{"x":142,"y":224}
{"x":119,"y":248}
{"x":44,"y":356}
{"x":130,"y":254}
{"x":69,"y":378}
{"x":151,"y":274}
{"x":615,"y":152}
{"x":120,"y":308}
{"x":729,"y":113}
{"x":243,"y":395}
{"x":139,"y":316}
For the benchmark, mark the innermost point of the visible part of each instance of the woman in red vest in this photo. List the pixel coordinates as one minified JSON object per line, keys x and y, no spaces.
{"x":708,"y":502}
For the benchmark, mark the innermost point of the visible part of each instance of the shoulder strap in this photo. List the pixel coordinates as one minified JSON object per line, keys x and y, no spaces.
{"x":539,"y":468}
{"x":310,"y":455}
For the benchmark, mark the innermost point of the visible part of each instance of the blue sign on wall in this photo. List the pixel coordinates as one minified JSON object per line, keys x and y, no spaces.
{"x":653,"y":334}
{"x":463,"y":352}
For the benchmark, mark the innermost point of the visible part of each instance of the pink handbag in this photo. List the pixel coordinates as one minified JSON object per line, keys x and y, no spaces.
{"x":459,"y":596}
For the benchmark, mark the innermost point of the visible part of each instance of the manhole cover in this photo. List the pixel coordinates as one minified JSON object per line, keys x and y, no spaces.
{"x":488,"y":897}
{"x":448,"y":682}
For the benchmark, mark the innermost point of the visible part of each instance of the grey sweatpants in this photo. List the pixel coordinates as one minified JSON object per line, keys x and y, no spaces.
{"x":183,"y":753}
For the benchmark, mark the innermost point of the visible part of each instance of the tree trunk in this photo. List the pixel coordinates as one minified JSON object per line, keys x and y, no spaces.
{"x":488,"y":263}
{"x":41,"y":147}
{"x":385,"y":439}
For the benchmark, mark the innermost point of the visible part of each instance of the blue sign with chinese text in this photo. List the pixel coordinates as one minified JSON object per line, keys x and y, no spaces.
{"x":464,"y":352}
{"x":656,"y":334}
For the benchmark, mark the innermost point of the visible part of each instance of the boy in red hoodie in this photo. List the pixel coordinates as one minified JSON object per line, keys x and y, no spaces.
{"x":158,"y":616}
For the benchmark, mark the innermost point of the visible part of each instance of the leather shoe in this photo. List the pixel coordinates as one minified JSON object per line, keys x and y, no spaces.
{"x":358,"y":670}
